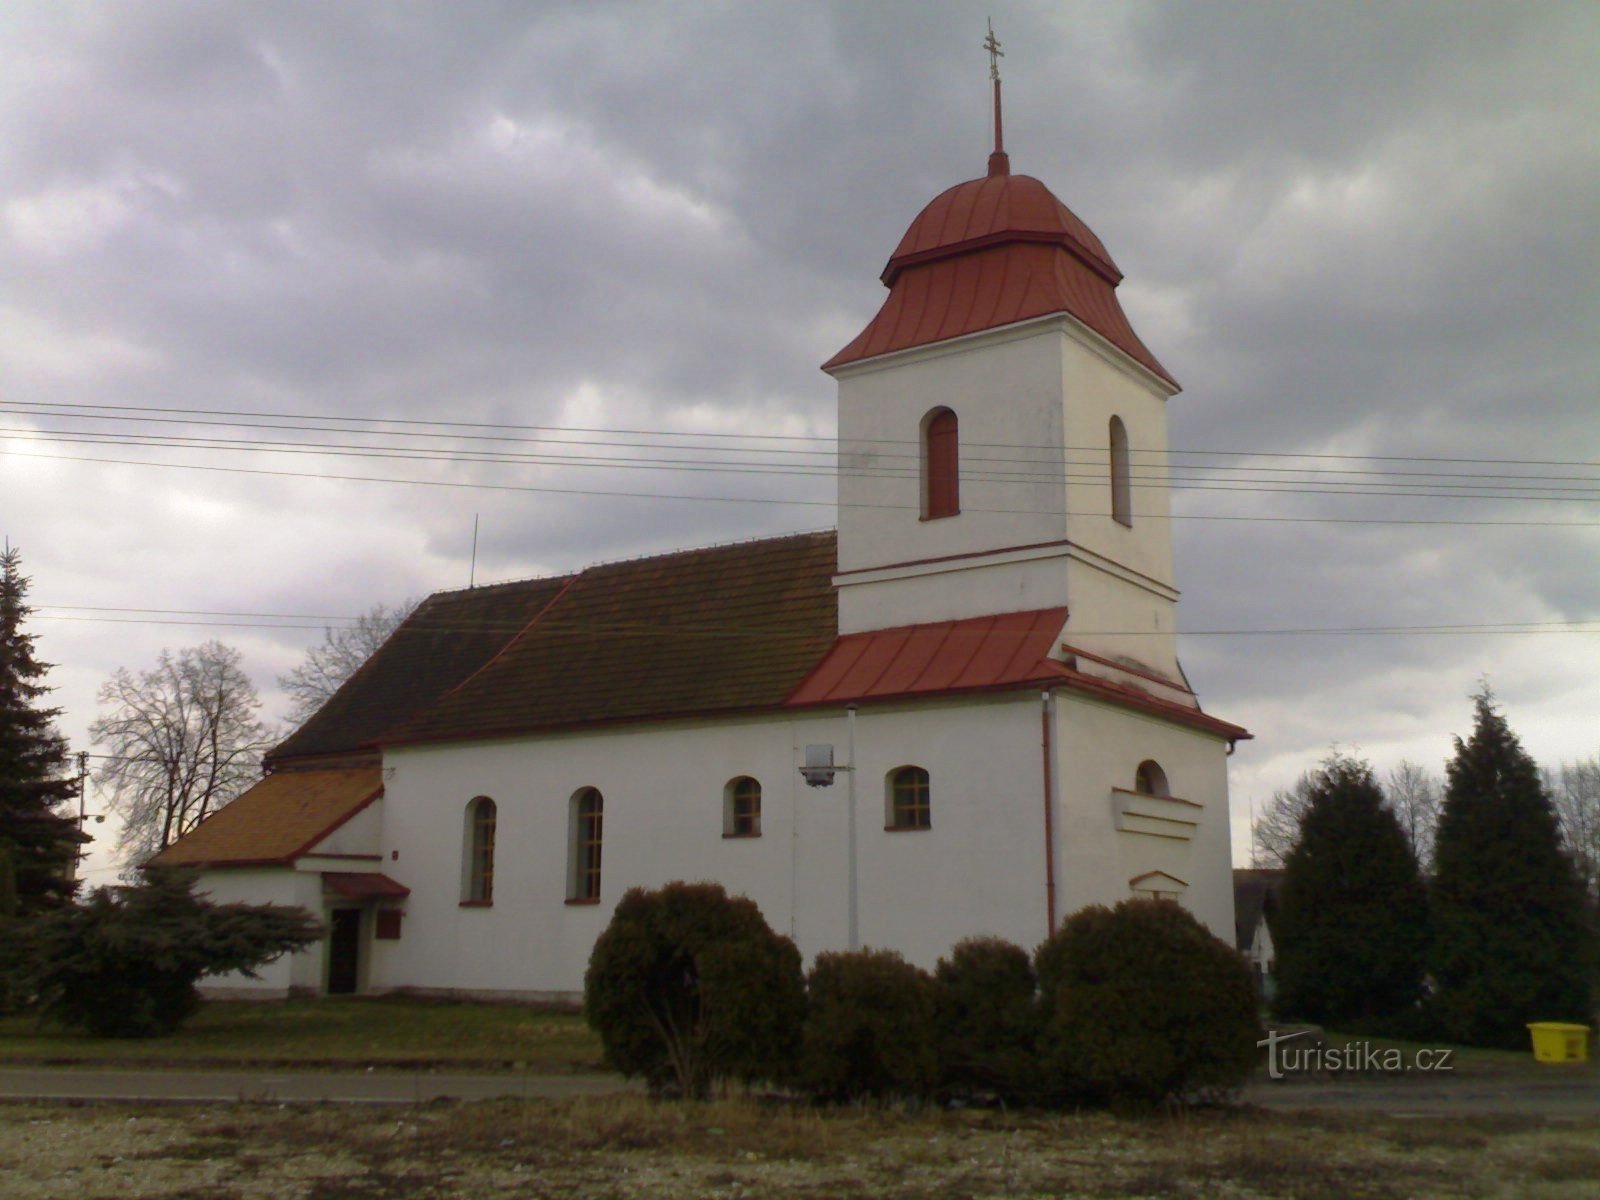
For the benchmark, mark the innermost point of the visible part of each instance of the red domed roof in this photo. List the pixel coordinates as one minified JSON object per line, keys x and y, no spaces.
{"x":997,"y":208}
{"x":992,"y":252}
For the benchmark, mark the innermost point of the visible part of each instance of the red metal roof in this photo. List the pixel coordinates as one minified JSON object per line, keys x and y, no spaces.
{"x":945,"y":656}
{"x":990,"y":252}
{"x":363,"y":885}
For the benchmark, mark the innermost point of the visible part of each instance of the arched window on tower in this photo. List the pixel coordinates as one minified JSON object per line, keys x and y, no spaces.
{"x":941,"y":463}
{"x":1121,"y":499}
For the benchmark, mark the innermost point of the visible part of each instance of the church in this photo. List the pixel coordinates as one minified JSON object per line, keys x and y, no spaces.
{"x":962,"y":713}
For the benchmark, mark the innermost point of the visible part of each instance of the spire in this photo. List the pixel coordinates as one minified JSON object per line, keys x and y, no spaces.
{"x":999,"y":162}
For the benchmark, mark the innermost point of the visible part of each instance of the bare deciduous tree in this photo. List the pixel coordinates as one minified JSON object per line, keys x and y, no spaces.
{"x":1575,"y":791}
{"x":1413,"y":796}
{"x":336,"y":658}
{"x":1276,"y":829}
{"x":182,"y":740}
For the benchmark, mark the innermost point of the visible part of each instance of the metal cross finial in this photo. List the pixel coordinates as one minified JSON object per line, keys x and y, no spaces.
{"x":995,"y":53}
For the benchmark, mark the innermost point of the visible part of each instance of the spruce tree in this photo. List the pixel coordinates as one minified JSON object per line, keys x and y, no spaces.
{"x":38,"y":844}
{"x":1351,"y":934}
{"x":1512,"y":938}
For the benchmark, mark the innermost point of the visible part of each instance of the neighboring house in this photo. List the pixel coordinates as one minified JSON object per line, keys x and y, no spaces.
{"x":985,"y":650}
{"x":1255,"y":909}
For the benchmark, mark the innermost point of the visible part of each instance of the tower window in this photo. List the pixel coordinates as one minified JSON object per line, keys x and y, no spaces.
{"x":1121,"y":498}
{"x":941,"y":462}
{"x":1150,"y":779}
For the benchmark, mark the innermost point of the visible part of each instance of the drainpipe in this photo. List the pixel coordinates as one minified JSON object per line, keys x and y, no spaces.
{"x":850,"y":772}
{"x":1047,"y":712}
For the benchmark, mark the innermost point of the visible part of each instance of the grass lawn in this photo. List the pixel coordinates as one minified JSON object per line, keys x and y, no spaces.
{"x":629,"y":1146}
{"x":339,"y":1032}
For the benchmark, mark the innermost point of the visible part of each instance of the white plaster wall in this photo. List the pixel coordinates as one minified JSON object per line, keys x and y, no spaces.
{"x":978,"y":870}
{"x":950,"y":591}
{"x":1005,"y":388}
{"x":359,"y":835}
{"x":1100,"y":747}
{"x":267,"y":885}
{"x":1120,"y":619}
{"x":1094,"y":389}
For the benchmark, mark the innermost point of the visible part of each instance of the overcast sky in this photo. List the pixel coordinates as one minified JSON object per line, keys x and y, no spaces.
{"x":1348,"y":229}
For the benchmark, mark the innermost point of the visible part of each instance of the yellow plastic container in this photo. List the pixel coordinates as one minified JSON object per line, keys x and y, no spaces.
{"x":1557,"y":1042}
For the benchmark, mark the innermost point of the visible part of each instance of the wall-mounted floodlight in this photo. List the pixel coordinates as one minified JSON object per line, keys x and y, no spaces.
{"x":819,"y":769}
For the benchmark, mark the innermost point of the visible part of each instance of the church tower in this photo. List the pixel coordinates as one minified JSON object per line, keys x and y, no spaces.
{"x":1003,"y":435}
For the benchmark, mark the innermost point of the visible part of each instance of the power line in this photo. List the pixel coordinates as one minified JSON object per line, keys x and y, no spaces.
{"x":1589,"y":625}
{"x":347,"y":421}
{"x":794,"y":502}
{"x":1544,"y":489}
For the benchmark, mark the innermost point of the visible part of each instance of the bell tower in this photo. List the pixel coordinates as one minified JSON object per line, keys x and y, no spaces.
{"x":1002,"y":431}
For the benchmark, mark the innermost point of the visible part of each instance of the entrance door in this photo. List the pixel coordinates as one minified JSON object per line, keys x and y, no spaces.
{"x":344,"y":951}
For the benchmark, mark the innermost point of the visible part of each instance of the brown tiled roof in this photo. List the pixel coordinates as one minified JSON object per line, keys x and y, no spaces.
{"x":719,"y":630}
{"x":447,"y":638}
{"x":277,"y":820}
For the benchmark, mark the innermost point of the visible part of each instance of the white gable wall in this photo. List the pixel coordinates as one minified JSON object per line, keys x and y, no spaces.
{"x":267,"y":885}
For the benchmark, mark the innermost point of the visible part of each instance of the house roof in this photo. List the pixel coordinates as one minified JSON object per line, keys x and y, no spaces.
{"x":279,"y":819}
{"x":943,"y":656}
{"x":446,"y":638}
{"x":697,"y":632}
{"x":1255,"y":896}
{"x":992,"y":252}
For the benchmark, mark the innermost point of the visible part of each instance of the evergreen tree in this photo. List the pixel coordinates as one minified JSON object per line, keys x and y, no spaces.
{"x":1351,"y":934}
{"x":38,"y":845}
{"x":1512,"y":937}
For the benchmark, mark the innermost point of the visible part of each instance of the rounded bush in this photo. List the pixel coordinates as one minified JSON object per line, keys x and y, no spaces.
{"x":870,"y":1028}
{"x":1140,"y":1004}
{"x":689,"y":985}
{"x":987,"y":1018}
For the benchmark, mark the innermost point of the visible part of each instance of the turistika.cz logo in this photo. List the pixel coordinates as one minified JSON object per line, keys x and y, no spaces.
{"x":1313,"y":1058}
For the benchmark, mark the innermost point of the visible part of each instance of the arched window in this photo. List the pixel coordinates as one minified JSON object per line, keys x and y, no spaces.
{"x":741,"y":808}
{"x":477,"y":875}
{"x":941,"y":463}
{"x":583,"y":875}
{"x":908,"y":800}
{"x":1150,"y":779}
{"x":1121,"y":497}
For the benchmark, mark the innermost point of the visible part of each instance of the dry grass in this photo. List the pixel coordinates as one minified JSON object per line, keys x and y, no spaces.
{"x":629,"y":1146}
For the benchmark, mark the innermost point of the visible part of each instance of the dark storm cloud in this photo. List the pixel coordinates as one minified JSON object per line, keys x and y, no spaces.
{"x":1347,"y":229}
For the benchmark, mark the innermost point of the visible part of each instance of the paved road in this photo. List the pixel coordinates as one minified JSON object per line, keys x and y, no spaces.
{"x":1561,"y":1095}
{"x":360,"y":1087}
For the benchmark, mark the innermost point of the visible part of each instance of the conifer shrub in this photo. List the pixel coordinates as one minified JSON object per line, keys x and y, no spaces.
{"x":986,"y":1012}
{"x":1351,"y":933}
{"x":689,"y":986}
{"x":1141,"y":1005}
{"x":1513,"y":940}
{"x":125,"y":963}
{"x":869,"y":1031}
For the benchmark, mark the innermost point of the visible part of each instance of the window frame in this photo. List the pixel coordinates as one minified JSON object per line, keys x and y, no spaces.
{"x":1121,"y":483}
{"x":941,"y":464}
{"x":1150,"y":779}
{"x":586,"y":846}
{"x":741,"y":807}
{"x":477,"y":867}
{"x":908,"y":800}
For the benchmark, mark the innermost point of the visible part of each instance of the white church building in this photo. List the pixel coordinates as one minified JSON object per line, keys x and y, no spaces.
{"x":985,"y":651}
